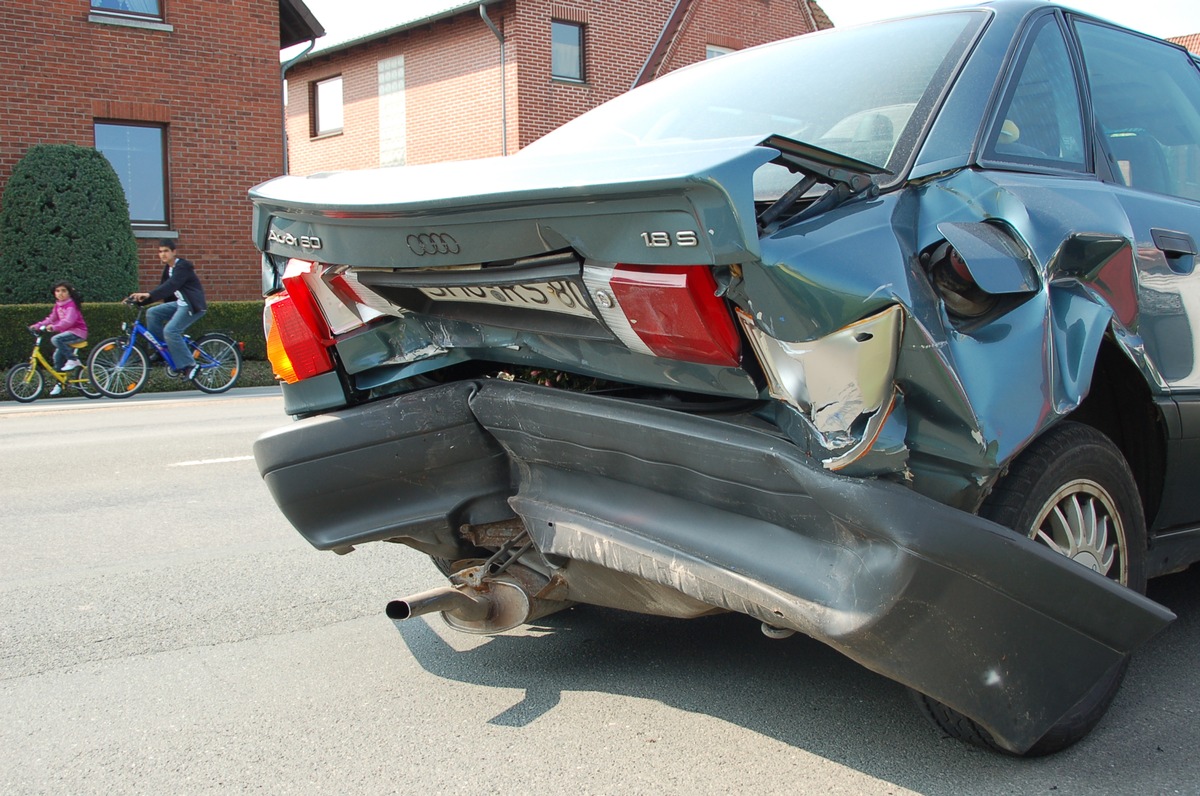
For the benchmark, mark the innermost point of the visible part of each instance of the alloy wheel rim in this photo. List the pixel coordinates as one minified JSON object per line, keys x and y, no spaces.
{"x":1080,"y":521}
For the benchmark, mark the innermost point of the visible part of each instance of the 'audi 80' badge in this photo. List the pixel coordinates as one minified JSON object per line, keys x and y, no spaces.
{"x":288,"y":239}
{"x":432,"y":243}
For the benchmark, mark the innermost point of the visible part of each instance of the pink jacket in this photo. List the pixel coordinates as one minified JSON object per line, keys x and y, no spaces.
{"x":65,"y":317}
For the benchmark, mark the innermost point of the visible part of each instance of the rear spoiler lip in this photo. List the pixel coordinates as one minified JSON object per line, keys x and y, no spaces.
{"x":549,"y":201}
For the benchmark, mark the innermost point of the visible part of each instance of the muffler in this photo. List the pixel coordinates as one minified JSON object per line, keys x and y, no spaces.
{"x":476,"y":602}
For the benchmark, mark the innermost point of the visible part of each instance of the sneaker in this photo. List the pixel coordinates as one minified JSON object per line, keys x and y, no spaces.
{"x":191,"y":373}
{"x":57,"y":390}
{"x":71,"y":365}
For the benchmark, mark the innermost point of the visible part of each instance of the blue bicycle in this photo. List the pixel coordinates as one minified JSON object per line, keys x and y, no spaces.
{"x":119,"y":367}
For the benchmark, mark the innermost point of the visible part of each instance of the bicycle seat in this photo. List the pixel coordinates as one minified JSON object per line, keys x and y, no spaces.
{"x":80,"y":344}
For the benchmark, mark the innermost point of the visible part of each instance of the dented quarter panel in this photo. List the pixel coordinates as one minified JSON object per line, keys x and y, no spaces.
{"x":975,"y":395}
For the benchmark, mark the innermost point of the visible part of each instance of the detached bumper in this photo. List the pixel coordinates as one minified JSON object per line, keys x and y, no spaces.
{"x":959,"y":608}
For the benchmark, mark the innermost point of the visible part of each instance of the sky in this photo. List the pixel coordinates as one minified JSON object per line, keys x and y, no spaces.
{"x":1157,"y":17}
{"x":1163,"y":18}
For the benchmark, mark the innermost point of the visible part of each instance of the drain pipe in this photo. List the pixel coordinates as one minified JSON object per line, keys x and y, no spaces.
{"x":503,"y":92}
{"x":288,"y":64}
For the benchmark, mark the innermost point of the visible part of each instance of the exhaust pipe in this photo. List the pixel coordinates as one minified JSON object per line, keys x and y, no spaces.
{"x":491,"y":604}
{"x":446,"y":599}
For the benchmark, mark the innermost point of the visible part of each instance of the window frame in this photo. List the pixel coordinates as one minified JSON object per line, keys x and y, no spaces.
{"x":991,"y":132}
{"x":581,"y":61}
{"x":314,"y":101}
{"x":158,"y":16}
{"x":142,"y":223}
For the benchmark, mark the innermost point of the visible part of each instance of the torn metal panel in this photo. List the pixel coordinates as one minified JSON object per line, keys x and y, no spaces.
{"x":972,"y":614}
{"x":984,"y":620}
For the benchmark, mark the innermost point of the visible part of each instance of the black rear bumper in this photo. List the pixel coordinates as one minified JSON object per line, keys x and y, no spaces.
{"x":961,"y":609}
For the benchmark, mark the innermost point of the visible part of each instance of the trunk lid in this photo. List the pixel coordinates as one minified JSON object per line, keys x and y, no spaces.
{"x":676,"y":205}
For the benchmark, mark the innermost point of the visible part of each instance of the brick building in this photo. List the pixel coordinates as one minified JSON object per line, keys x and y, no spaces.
{"x":426,"y":84}
{"x":184,"y":98}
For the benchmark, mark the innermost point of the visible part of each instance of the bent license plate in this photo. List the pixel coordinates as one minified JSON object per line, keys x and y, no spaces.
{"x":557,"y":295}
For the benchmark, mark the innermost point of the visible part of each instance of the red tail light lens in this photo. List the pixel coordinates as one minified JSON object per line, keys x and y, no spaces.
{"x":303,"y":300}
{"x":676,"y":313}
{"x":293,"y":347}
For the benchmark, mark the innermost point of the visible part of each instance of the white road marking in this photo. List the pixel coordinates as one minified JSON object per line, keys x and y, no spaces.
{"x":211,"y":461}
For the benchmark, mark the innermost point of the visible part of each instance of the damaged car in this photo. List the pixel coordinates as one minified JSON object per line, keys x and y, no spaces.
{"x":881,"y":335}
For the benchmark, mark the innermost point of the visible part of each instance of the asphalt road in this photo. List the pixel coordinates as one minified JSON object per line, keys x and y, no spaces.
{"x":164,"y":630}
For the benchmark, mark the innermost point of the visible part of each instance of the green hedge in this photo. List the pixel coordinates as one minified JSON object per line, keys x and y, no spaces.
{"x":241,"y":320}
{"x":64,"y":216}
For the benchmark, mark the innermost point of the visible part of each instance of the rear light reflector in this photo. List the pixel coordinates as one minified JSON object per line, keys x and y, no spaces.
{"x":293,"y":348}
{"x":667,"y":311}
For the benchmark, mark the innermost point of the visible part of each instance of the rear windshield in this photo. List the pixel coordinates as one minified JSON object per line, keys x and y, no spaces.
{"x":864,"y":92}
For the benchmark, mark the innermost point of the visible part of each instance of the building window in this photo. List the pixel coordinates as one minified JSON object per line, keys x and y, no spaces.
{"x":327,"y":106}
{"x":137,"y":153}
{"x":566,"y":50}
{"x":141,"y":8}
{"x":715,"y":51}
{"x":392,"y":112}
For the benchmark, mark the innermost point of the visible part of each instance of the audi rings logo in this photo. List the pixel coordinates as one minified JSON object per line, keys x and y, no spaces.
{"x":432,"y":243}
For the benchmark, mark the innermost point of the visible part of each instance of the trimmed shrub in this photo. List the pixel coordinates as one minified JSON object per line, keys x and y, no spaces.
{"x":64,"y":216}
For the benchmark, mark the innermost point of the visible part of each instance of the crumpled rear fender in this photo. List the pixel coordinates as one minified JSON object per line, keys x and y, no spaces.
{"x":730,"y":513}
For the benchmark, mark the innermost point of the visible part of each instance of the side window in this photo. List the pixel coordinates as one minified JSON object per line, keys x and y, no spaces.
{"x":1040,"y":121}
{"x":1146,"y":98}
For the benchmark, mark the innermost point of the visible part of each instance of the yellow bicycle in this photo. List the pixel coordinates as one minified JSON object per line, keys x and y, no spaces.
{"x":25,"y":382}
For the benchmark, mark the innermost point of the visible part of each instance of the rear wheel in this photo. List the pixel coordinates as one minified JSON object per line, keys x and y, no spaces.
{"x":220,"y":362}
{"x":114,"y":377}
{"x":24,"y":383}
{"x":1072,"y":491}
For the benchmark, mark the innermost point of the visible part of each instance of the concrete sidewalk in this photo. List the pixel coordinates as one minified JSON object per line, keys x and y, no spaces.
{"x":46,"y":403}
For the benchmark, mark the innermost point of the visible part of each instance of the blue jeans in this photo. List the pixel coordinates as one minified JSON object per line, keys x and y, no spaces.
{"x":62,"y":348}
{"x":168,"y":322}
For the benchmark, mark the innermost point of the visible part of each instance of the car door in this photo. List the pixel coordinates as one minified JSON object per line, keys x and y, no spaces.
{"x":1145,"y":100}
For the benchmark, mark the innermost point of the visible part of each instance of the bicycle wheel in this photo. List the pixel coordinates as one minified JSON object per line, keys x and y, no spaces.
{"x":220,"y":362}
{"x":24,"y":383}
{"x":118,"y":369}
{"x":83,"y":383}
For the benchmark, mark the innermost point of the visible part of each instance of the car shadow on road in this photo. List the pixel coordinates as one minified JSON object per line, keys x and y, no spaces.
{"x":808,"y":696}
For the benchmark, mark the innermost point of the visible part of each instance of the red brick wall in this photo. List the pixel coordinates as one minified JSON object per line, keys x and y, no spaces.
{"x":452,"y":92}
{"x":617,"y":39}
{"x":213,"y":80}
{"x":736,"y":24}
{"x":452,"y":79}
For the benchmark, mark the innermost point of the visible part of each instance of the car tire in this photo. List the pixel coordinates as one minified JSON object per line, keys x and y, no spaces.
{"x":1069,"y":468}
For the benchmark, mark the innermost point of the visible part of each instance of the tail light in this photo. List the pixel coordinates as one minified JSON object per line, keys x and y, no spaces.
{"x":296,"y":330}
{"x":666,"y":311}
{"x":294,"y":348}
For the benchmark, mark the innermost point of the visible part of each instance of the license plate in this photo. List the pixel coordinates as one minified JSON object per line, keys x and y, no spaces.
{"x":556,"y":295}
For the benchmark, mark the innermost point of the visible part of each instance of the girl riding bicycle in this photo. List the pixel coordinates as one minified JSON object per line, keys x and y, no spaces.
{"x":67,"y":323}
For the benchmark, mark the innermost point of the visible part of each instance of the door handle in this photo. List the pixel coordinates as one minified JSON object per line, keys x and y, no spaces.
{"x":1179,"y":247}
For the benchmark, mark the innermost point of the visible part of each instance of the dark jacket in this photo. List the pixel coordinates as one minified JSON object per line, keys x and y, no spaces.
{"x":184,"y":280}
